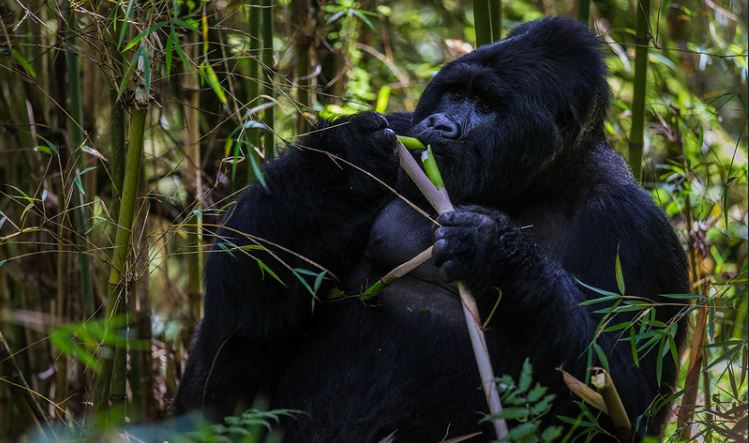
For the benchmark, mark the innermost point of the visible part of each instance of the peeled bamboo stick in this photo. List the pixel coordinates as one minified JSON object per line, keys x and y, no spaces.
{"x":440,"y":201}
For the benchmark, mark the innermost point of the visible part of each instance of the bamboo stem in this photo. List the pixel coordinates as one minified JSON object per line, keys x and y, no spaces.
{"x":254,"y":79}
{"x":269,"y":141}
{"x":605,"y":385}
{"x":440,"y":201}
{"x":583,"y":11}
{"x":108,"y":380}
{"x":398,"y":272}
{"x":636,"y":134}
{"x":487,"y":18}
{"x":75,"y":131}
{"x":194,"y":174}
{"x":302,"y":22}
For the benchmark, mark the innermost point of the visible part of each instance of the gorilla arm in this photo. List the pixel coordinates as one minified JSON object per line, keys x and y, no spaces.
{"x":539,"y":315}
{"x":314,"y":206}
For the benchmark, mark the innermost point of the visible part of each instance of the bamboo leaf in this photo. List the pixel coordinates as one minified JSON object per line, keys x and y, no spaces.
{"x":168,"y":51}
{"x":209,"y":75}
{"x":153,"y":28}
{"x":23,"y":62}
{"x":264,"y":268}
{"x":146,"y":73}
{"x":123,"y":30}
{"x":128,"y":73}
{"x":619,"y":274}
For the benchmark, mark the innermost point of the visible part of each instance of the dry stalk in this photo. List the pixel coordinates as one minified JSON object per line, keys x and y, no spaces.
{"x":440,"y":201}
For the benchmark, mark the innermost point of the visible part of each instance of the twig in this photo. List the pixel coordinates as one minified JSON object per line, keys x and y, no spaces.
{"x":439,"y":199}
{"x":396,"y":273}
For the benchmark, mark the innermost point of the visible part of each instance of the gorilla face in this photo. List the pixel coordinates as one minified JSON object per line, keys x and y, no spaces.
{"x":499,"y":118}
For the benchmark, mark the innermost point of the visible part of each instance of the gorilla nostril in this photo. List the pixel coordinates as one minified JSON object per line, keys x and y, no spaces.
{"x":444,"y":125}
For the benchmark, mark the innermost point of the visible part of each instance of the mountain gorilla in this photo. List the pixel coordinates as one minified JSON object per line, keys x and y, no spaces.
{"x":544,"y":204}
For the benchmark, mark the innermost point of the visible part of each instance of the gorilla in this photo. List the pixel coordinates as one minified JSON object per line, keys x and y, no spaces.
{"x":544,"y":209}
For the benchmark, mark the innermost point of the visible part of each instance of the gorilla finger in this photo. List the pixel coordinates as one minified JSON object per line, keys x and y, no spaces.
{"x":452,"y":270}
{"x":440,"y":251}
{"x":371,"y":121}
{"x":385,"y":140}
{"x":457,"y":217}
{"x":452,"y":233}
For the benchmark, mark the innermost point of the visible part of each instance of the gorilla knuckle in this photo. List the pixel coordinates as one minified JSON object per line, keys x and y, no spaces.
{"x":371,"y":121}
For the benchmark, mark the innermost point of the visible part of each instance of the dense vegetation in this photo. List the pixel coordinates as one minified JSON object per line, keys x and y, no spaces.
{"x":128,"y":128}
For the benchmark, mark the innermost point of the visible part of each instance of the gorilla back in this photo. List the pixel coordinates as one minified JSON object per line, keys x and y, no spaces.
{"x":516,"y":127}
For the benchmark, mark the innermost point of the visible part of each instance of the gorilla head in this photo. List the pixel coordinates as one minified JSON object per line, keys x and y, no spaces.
{"x":504,"y":116}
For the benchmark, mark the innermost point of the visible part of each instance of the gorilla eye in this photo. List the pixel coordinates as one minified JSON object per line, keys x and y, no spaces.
{"x":456,"y":95}
{"x":484,"y":107}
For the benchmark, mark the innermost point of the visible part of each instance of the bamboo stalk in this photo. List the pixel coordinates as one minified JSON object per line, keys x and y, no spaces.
{"x":636,"y":134}
{"x":487,"y":18}
{"x":398,"y":272}
{"x":482,"y":22}
{"x":75,"y":131}
{"x":440,"y":201}
{"x":254,"y":79}
{"x":582,"y":390}
{"x":583,"y":11}
{"x":269,"y":140}
{"x":108,"y":378}
{"x":605,"y":385}
{"x":692,"y":380}
{"x":303,"y":21}
{"x":194,"y":174}
{"x":495,"y":7}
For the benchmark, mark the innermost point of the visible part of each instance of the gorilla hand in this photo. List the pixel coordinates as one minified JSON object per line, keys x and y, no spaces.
{"x":479,"y":246}
{"x":365,"y":141}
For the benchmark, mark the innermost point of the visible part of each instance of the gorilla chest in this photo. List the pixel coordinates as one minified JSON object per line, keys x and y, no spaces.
{"x":398,"y":234}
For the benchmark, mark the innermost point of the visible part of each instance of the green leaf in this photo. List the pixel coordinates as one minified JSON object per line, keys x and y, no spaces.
{"x":605,"y":299}
{"x":43,"y":149}
{"x":153,"y":28}
{"x":600,"y":291}
{"x":146,"y":73}
{"x":513,"y":413}
{"x":633,"y":347}
{"x":312,"y":289}
{"x":551,"y":433}
{"x":363,"y":18}
{"x":619,"y":273}
{"x":210,"y":76}
{"x":543,"y":406}
{"x":522,"y":430}
{"x":23,"y":62}
{"x":662,"y":349}
{"x":123,"y":30}
{"x":536,"y":393}
{"x":22,"y":194}
{"x":128,"y":73}
{"x":601,"y":355}
{"x":256,"y":169}
{"x":265,"y":269}
{"x":168,"y":51}
{"x":526,"y":376}
{"x":223,"y":247}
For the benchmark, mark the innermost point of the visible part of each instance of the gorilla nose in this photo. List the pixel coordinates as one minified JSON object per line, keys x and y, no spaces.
{"x":443,"y":124}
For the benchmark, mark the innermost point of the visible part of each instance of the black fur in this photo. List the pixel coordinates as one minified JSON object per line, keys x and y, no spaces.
{"x":517,"y":130}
